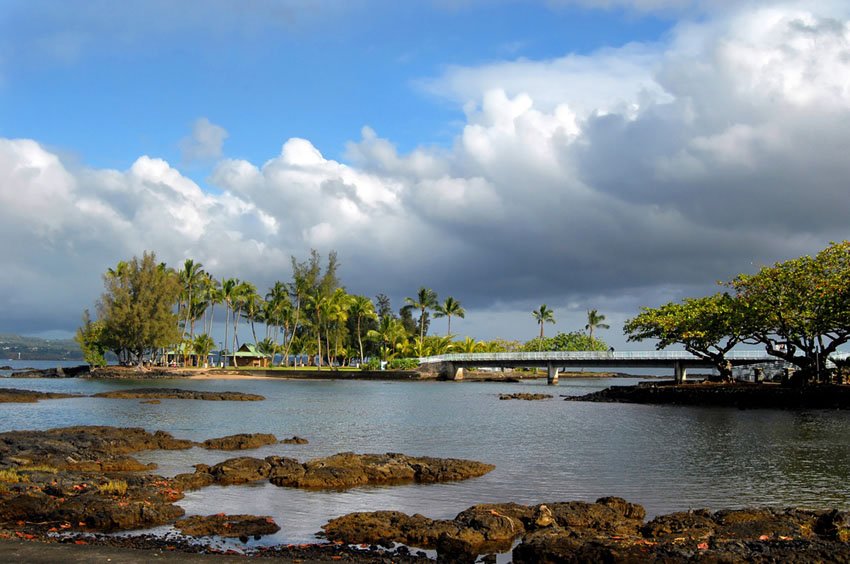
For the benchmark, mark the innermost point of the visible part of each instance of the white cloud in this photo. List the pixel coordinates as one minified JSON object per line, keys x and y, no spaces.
{"x":720,"y":150}
{"x":205,"y":143}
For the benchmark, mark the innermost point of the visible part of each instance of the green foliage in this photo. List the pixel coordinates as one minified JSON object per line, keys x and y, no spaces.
{"x":543,"y":315}
{"x":403,"y":364}
{"x":201,"y":346}
{"x":799,"y":309}
{"x":90,"y":337}
{"x":566,"y":342}
{"x":450,"y":307}
{"x":371,"y":364}
{"x":137,"y":308}
{"x":707,"y":327}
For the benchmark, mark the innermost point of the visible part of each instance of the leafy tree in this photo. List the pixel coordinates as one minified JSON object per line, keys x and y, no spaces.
{"x":90,"y":337}
{"x":707,"y":327}
{"x":800,"y":309}
{"x":450,"y":307}
{"x":595,"y":320}
{"x":383,"y":307}
{"x":425,"y":299}
{"x":566,"y":342}
{"x":543,"y":315}
{"x":137,"y":308}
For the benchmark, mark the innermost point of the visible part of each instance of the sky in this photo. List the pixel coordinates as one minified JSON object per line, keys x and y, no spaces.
{"x":585,"y":154}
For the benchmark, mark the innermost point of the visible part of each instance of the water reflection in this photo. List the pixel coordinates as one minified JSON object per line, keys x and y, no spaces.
{"x":667,"y":458}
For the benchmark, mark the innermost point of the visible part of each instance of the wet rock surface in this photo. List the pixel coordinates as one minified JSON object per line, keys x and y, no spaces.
{"x":14,"y":395}
{"x":228,"y":526}
{"x":524,"y":396}
{"x":84,"y":448}
{"x":241,"y":441}
{"x":177,"y":393}
{"x":295,"y":441}
{"x":609,"y":530}
{"x":740,"y":394}
{"x":58,"y":372}
{"x":340,"y":471}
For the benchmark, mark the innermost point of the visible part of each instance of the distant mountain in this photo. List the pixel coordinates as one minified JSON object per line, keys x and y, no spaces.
{"x":33,"y":348}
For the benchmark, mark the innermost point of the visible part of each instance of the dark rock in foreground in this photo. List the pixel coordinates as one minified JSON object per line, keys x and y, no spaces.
{"x":740,"y":395}
{"x":242,"y":441}
{"x":524,"y":396}
{"x":609,"y":530}
{"x":177,"y":393}
{"x":13,"y":395}
{"x":229,"y":526}
{"x":340,"y":471}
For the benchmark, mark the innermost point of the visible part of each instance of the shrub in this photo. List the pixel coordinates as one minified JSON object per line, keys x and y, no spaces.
{"x":371,"y":364}
{"x":403,"y":364}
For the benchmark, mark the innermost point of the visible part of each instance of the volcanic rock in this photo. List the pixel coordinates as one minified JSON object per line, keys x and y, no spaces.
{"x":177,"y":393}
{"x":242,"y":441}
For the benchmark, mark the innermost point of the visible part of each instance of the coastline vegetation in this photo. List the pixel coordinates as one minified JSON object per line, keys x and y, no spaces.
{"x":798,"y":310}
{"x":150,"y":312}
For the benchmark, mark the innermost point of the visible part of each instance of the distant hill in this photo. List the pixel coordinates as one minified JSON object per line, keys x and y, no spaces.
{"x":33,"y":348}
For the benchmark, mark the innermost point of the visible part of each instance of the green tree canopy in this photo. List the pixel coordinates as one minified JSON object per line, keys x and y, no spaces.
{"x":137,"y":308}
{"x":800,"y":309}
{"x":566,"y":342}
{"x":707,"y":327}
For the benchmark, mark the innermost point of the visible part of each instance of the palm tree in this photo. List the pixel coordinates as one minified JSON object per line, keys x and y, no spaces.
{"x":449,"y":308}
{"x":201,"y":346}
{"x":240,"y":294}
{"x":543,"y":315}
{"x":470,"y":345}
{"x":595,"y":321}
{"x":390,"y":333}
{"x":228,"y":296}
{"x":425,"y":299}
{"x":191,"y":277}
{"x":362,"y":308}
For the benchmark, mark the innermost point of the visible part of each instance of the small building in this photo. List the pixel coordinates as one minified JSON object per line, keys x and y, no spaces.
{"x":248,"y":355}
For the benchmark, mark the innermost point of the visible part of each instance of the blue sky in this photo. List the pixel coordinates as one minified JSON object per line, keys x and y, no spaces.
{"x":109,"y":97}
{"x":586,"y":154}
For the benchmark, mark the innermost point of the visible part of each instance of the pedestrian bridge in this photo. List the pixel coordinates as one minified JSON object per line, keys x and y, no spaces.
{"x":452,"y":365}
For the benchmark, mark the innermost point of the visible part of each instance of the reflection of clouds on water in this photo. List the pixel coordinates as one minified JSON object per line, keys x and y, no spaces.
{"x":667,"y":458}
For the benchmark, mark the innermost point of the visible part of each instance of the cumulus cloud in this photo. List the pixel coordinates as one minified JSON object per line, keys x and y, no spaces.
{"x":722,"y":149}
{"x":206,"y":141}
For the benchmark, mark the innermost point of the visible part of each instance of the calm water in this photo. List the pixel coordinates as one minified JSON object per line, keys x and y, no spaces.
{"x":666,"y":458}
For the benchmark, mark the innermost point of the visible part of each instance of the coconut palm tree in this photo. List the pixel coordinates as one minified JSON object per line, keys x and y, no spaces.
{"x":450,"y":307}
{"x":361,"y":308}
{"x":390,"y":333}
{"x":191,"y":277}
{"x":470,"y":345}
{"x":425,"y":299}
{"x":595,"y":321}
{"x":228,"y":296}
{"x":201,"y":346}
{"x":543,"y":315}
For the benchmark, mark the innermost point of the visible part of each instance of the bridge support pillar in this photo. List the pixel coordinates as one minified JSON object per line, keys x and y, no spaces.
{"x":680,"y":372}
{"x":551,"y":374}
{"x":454,"y":372}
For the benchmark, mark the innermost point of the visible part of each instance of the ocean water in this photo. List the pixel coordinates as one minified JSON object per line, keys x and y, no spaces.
{"x":667,"y":458}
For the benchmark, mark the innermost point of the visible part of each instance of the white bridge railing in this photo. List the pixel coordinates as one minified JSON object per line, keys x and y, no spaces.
{"x":598,"y":357}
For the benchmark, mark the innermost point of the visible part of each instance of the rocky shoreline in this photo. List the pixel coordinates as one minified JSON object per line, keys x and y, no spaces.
{"x":70,"y":485}
{"x":742,"y":395}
